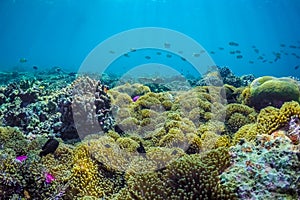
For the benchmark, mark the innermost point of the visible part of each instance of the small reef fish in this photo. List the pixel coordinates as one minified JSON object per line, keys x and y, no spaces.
{"x":282,"y":45}
{"x":221,"y":48}
{"x":251,"y":62}
{"x":112,"y":52}
{"x":132,"y":49}
{"x":238,"y":51}
{"x":233,"y":44}
{"x":167,"y":45}
{"x":126,"y":55}
{"x":158,"y":53}
{"x":169,"y":56}
{"x":296,"y":67}
{"x":212,"y":52}
{"x":182,"y":58}
{"x":256,"y":50}
{"x":141,"y":150}
{"x":196,"y":54}
{"x":23,"y":60}
{"x":148,"y":57}
{"x":35,"y":67}
{"x":239,"y":56}
{"x":293,"y":46}
{"x":49,"y":147}
{"x":232,"y":52}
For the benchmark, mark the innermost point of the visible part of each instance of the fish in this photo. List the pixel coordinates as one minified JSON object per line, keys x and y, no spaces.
{"x":158,"y":53}
{"x":180,"y":52}
{"x":212,"y":52}
{"x":253,"y":46}
{"x":126,"y":55}
{"x":282,"y":45}
{"x":49,"y":147}
{"x":233,"y":44}
{"x":112,"y":52}
{"x":237,"y":51}
{"x":256,"y":50}
{"x":260,"y":58}
{"x":264,"y":61}
{"x":296,"y":67}
{"x":107,"y":145}
{"x":232,"y":52}
{"x":251,"y":62}
{"x":132,"y":49}
{"x":169,"y":56}
{"x":72,"y":74}
{"x":239,"y":56}
{"x":182,"y":58}
{"x":196,"y":54}
{"x":148,"y":57}
{"x":35,"y":67}
{"x":167,"y":45}
{"x":141,"y":150}
{"x":23,"y":60}
{"x":293,"y":46}
{"x":221,"y":48}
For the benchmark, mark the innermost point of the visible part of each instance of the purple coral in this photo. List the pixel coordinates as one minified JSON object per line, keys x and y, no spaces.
{"x":294,"y":129}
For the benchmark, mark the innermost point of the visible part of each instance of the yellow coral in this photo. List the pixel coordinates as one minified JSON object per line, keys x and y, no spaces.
{"x":247,"y":132}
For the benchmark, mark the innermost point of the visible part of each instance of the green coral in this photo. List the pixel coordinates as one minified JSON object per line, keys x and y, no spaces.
{"x":271,"y":91}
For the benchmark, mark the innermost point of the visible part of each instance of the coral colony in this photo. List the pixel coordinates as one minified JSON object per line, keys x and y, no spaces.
{"x":74,"y":137}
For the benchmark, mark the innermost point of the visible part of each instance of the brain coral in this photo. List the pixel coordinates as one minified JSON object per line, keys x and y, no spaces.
{"x":270,"y":91}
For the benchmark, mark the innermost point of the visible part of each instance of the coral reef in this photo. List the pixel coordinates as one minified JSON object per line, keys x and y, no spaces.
{"x":270,"y":91}
{"x":268,"y":168}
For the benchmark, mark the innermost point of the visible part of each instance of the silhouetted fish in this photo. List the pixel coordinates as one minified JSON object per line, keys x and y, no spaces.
{"x":260,"y":57}
{"x":182,"y":58}
{"x":251,"y":62}
{"x":158,"y":53}
{"x":282,"y":45}
{"x":256,"y":50}
{"x":212,"y":52}
{"x":49,"y":147}
{"x":169,"y":56}
{"x":196,"y":54}
{"x":296,"y":67}
{"x":233,"y":44}
{"x":239,"y":56}
{"x":147,"y":57}
{"x":167,"y":45}
{"x":35,"y":67}
{"x":23,"y":60}
{"x":293,"y":46}
{"x":221,"y":48}
{"x":232,"y":52}
{"x":141,"y":150}
{"x":126,"y":55}
{"x":237,"y":51}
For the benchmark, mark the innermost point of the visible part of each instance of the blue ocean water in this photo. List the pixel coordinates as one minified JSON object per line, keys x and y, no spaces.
{"x":62,"y":33}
